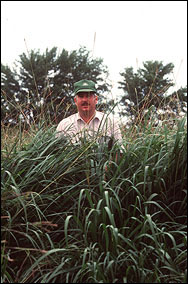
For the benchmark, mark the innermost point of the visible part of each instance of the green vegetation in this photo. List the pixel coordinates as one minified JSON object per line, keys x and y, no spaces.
{"x":41,"y":86}
{"x":43,"y":83}
{"x":148,"y":88}
{"x":74,"y":213}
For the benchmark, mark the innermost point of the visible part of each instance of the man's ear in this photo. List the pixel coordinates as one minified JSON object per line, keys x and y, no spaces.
{"x":75,"y":100}
{"x":96,"y":99}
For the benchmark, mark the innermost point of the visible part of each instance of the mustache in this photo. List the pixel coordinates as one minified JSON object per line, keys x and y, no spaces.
{"x":85,"y":104}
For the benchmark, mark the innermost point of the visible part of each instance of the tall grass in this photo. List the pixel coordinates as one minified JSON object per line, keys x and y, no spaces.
{"x":71,"y":213}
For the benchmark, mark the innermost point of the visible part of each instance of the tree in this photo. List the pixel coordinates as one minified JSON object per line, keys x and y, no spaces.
{"x":47,"y":80}
{"x":72,"y":67}
{"x":35,"y":81}
{"x":9,"y":92}
{"x":145,"y":88}
{"x":177,"y":101}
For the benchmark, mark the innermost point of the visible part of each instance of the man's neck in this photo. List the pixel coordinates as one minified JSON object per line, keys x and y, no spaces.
{"x":87,"y":117}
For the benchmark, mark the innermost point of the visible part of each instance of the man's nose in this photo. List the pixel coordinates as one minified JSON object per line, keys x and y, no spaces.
{"x":85,"y":98}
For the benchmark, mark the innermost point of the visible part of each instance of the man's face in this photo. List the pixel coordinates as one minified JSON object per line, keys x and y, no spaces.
{"x":86,"y":102}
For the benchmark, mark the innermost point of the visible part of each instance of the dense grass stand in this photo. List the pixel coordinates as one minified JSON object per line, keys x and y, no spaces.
{"x":65,"y":219}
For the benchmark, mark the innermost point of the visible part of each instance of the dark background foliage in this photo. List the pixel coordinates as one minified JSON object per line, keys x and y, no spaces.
{"x":41,"y":85}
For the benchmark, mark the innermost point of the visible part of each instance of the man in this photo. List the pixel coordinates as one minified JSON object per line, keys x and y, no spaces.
{"x":88,"y":123}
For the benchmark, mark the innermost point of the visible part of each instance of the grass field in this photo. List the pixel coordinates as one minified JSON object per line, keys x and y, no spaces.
{"x":73,"y":214}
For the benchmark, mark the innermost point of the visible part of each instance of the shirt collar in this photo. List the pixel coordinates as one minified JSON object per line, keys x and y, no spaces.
{"x":96,"y":116}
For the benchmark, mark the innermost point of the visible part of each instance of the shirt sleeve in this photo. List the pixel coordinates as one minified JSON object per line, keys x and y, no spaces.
{"x":66,"y":128}
{"x":61,"y":129}
{"x":115,"y":129}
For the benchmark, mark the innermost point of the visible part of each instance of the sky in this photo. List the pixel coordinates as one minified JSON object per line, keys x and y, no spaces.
{"x":127,"y":33}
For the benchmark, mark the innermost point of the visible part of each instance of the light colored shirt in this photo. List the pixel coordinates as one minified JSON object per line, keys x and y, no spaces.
{"x":102,"y":125}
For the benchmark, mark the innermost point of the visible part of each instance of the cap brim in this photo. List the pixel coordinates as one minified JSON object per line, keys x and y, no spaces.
{"x":84,"y":90}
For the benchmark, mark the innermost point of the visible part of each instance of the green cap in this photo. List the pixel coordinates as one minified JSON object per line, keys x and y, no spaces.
{"x":84,"y":86}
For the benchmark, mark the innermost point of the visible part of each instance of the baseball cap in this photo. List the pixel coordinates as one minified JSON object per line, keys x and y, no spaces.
{"x":84,"y":86}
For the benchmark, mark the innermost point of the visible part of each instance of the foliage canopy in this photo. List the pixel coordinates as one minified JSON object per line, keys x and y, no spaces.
{"x":148,"y":88}
{"x":45,"y":81}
